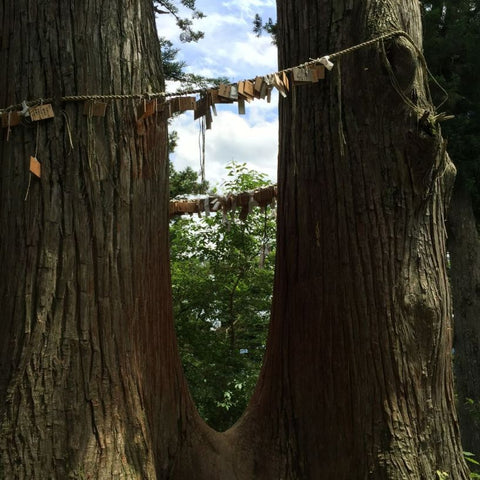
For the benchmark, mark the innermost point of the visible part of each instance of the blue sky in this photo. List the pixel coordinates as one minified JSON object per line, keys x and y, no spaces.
{"x":232,"y":50}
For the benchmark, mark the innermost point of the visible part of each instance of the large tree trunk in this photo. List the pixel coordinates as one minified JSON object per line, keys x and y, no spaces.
{"x":90,"y":383}
{"x":464,"y":248}
{"x":357,"y":380}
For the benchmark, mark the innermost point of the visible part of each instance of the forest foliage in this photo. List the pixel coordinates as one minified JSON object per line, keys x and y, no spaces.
{"x":222,"y":279}
{"x":451,"y":39}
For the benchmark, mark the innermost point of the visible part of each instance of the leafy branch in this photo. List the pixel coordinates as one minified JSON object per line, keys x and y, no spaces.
{"x":163,"y":7}
{"x":269,"y":27}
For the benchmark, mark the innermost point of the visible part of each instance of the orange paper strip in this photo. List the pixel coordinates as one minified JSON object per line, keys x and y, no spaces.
{"x":35,"y":167}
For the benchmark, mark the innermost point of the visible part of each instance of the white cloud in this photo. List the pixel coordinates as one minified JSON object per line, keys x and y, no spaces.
{"x":167,"y":28}
{"x":251,"y":7}
{"x":228,"y":49}
{"x":232,"y":138}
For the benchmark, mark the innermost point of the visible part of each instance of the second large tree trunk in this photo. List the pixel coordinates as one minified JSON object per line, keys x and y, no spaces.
{"x":464,"y":248}
{"x":357,"y":381}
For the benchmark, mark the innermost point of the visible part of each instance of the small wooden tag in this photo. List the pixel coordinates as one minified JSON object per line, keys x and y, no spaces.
{"x":181,"y":104}
{"x":41,"y":112}
{"x":234,"y":92}
{"x":285,"y":81}
{"x":241,"y":106}
{"x":258,"y":84}
{"x":214,"y":97}
{"x":187,"y":103}
{"x":174,"y":105}
{"x":224,"y":91}
{"x":302,"y":76}
{"x":164,"y":109}
{"x":146,"y":109}
{"x":319,"y":72}
{"x":201,"y":108}
{"x":11,"y":119}
{"x":244,"y":87}
{"x":94,"y":109}
{"x":241,"y":88}
{"x":257,"y":87}
{"x":248,"y":89}
{"x":208,"y":118}
{"x":35,"y":167}
{"x":264,"y":90}
{"x":279,"y":85}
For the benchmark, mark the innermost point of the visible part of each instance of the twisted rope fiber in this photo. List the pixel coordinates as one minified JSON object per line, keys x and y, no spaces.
{"x":386,"y":36}
{"x":84,"y":98}
{"x":149,"y":96}
{"x":353,"y":48}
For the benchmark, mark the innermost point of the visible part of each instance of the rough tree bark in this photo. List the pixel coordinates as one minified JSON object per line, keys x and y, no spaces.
{"x":464,"y":249}
{"x":89,"y":379}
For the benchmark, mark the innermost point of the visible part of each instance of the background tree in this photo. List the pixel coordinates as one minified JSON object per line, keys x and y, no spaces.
{"x":452,"y":33}
{"x":222,"y":279}
{"x":185,"y":182}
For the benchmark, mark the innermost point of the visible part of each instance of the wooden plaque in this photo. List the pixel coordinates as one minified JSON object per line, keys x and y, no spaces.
{"x":174,"y":105}
{"x":187,"y":103}
{"x":11,"y":119}
{"x":94,"y":109}
{"x":319,"y":72}
{"x":224,"y":91}
{"x":201,"y":107}
{"x":241,"y":88}
{"x":146,"y":109}
{"x":248,"y":89}
{"x":41,"y":112}
{"x":234,"y":92}
{"x":241,"y":106}
{"x":258,"y":84}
